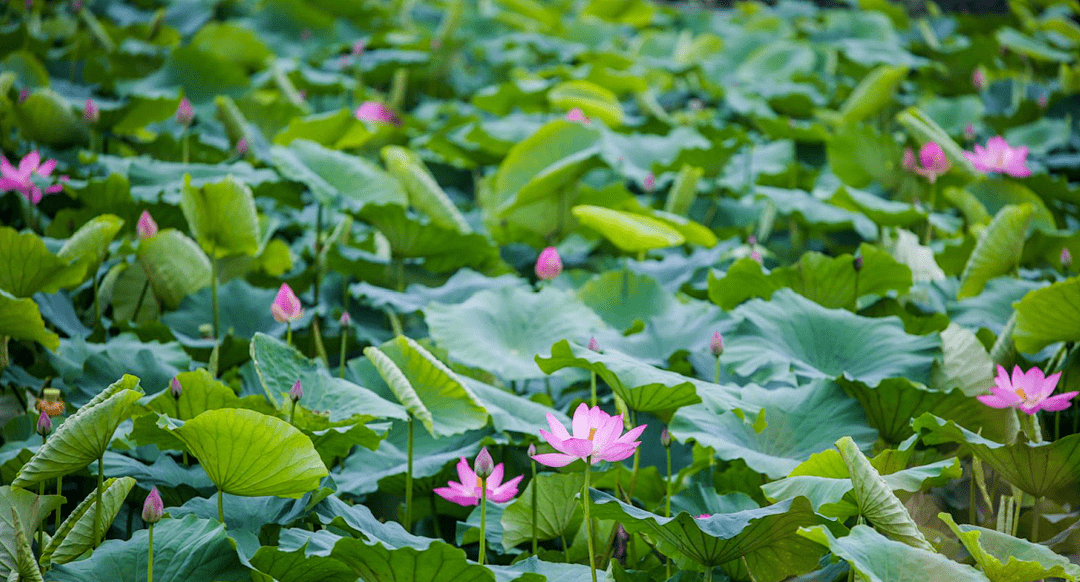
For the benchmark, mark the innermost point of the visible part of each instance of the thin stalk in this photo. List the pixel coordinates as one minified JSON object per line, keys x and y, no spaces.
{"x":592,"y":389}
{"x":213,"y":291}
{"x":435,"y":519}
{"x":97,"y":302}
{"x":566,"y":551}
{"x":667,"y":503}
{"x":972,"y":509}
{"x":408,"y":481}
{"x":483,"y":519}
{"x":288,"y":332}
{"x":40,"y":536}
{"x":138,"y":304}
{"x":97,"y":506}
{"x":637,"y":459}
{"x":534,"y":489}
{"x":59,"y":490}
{"x":150,"y":557}
{"x":855,"y":295}
{"x":747,"y":566}
{"x":588,"y":520}
{"x":398,"y":86}
{"x":344,"y":343}
{"x":320,"y":347}
{"x":318,"y":252}
{"x":184,"y":148}
{"x":717,"y":369}
{"x":930,"y":209}
{"x":5,"y":359}
{"x":220,"y":507}
{"x":1035,"y":521}
{"x":292,"y":413}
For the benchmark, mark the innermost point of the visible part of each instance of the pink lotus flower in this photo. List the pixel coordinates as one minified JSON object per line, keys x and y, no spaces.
{"x":594,"y":345}
{"x":548,"y":264}
{"x":185,"y":113}
{"x":377,"y":112}
{"x":469,"y":490}
{"x":969,"y":131}
{"x":716,"y":344}
{"x":22,"y":179}
{"x":24,"y":94}
{"x":978,"y":79}
{"x":146,"y":227}
{"x":999,"y":157}
{"x":286,"y":307}
{"x":153,"y":508}
{"x":909,"y":160}
{"x":933,"y":160}
{"x":1043,"y":101}
{"x":1029,"y":391}
{"x":345,"y":319}
{"x":596,"y":438}
{"x":1066,"y":257}
{"x":241,"y":146}
{"x":650,"y":182}
{"x":576,"y":114}
{"x":91,"y":114}
{"x":358,"y":48}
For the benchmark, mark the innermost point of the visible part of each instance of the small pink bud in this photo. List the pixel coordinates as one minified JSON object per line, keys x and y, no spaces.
{"x":703,"y":516}
{"x":358,"y":48}
{"x":857,"y":263}
{"x":969,"y":132}
{"x":978,"y":79}
{"x":345,"y":320}
{"x":548,"y":264}
{"x":91,"y":114}
{"x":1066,"y":257}
{"x":650,"y":182}
{"x":242,"y":146}
{"x":153,"y":508}
{"x":909,"y":160}
{"x":44,"y":424}
{"x":146,"y":227}
{"x":484,"y":464}
{"x":756,"y":256}
{"x":175,"y":388}
{"x":665,"y":437}
{"x":305,"y":34}
{"x":286,"y":305}
{"x":343,"y":61}
{"x":933,"y":160}
{"x":531,"y":450}
{"x":185,"y":113}
{"x":594,"y":345}
{"x":1043,"y":101}
{"x":716,"y":344}
{"x":576,"y":114}
{"x":377,"y":112}
{"x":296,"y":392}
{"x":24,"y":94}
{"x":751,"y":240}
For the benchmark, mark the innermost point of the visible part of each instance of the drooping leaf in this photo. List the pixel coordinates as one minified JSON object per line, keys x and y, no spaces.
{"x":441,"y":248}
{"x":84,"y":436}
{"x":633,"y":233}
{"x":30,"y":267}
{"x":998,"y":251}
{"x":1048,"y":315}
{"x":438,"y":562}
{"x":1004,"y":558}
{"x":592,"y":99}
{"x":76,"y":533}
{"x":683,"y":189}
{"x":333,"y":175}
{"x":20,"y":513}
{"x":540,"y":166}
{"x":873,"y":93}
{"x":174,"y":265}
{"x":557,"y":512}
{"x":248,"y":453}
{"x":222,"y":217}
{"x":21,"y":320}
{"x":424,"y":192}
{"x":91,"y":242}
{"x":965,"y":363}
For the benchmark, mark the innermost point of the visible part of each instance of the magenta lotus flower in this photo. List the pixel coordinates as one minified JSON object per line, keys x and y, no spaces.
{"x":978,"y":79}
{"x":468,"y":491}
{"x":345,"y":320}
{"x":377,"y":112}
{"x":153,"y":508}
{"x":44,"y":424}
{"x":1029,"y":391}
{"x":548,"y":264}
{"x":185,"y":113}
{"x":146,"y":227}
{"x":175,"y":388}
{"x":24,"y":94}
{"x":22,"y":179}
{"x":933,"y":160}
{"x":576,"y":114}
{"x":91,"y":114}
{"x":241,"y":146}
{"x":286,"y":307}
{"x":999,"y":157}
{"x":596,"y":438}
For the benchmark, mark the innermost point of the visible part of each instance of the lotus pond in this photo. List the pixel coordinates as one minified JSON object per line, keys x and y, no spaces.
{"x":523,"y":290}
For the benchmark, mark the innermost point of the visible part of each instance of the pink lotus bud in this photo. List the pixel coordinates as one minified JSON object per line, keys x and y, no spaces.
{"x":716,"y":344}
{"x":305,"y":34}
{"x":650,"y":182}
{"x":484,"y":464}
{"x":146,"y":227}
{"x":153,"y":508}
{"x":751,"y":240}
{"x":296,"y":392}
{"x":665,"y":437}
{"x":345,"y":320}
{"x":909,"y":160}
{"x":286,"y":305}
{"x":303,"y":94}
{"x":1066,"y":257}
{"x":576,"y":114}
{"x":1042,"y":101}
{"x":91,"y":114}
{"x":857,"y":263}
{"x":969,"y":132}
{"x":185,"y":113}
{"x":24,"y":94}
{"x":978,"y":79}
{"x":703,"y":516}
{"x":175,"y":388}
{"x":531,"y":450}
{"x":756,"y":256}
{"x":377,"y":112}
{"x":594,"y":345}
{"x":548,"y":264}
{"x":242,"y":146}
{"x":358,"y":48}
{"x":44,"y":424}
{"x":933,"y":160}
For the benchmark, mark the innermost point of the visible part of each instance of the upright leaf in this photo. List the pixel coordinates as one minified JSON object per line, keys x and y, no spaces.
{"x":175,"y":266}
{"x":20,"y":513}
{"x":20,"y":319}
{"x":683,"y":189}
{"x":1048,"y":315}
{"x":1004,"y":558}
{"x":222,"y":217}
{"x":633,"y":233}
{"x":998,"y":251}
{"x":29,"y":267}
{"x":425,"y":194}
{"x":76,"y":534}
{"x":91,"y":241}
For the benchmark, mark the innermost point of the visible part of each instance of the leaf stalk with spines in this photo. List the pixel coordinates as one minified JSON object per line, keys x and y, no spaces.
{"x":483,"y":520}
{"x":588,"y":521}
{"x":409,"y":479}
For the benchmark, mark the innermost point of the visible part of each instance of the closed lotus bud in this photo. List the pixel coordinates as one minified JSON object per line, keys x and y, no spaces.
{"x":548,"y":264}
{"x":909,"y":159}
{"x":24,"y":94}
{"x":978,"y":79}
{"x":286,"y":306}
{"x":185,"y":113}
{"x":358,"y":48}
{"x":650,"y":182}
{"x":242,"y":146}
{"x":665,"y":438}
{"x":1043,"y":101}
{"x":594,"y":345}
{"x":44,"y":424}
{"x":857,"y":263}
{"x":176,"y":389}
{"x":153,"y":508}
{"x":377,"y":112}
{"x":1066,"y":257}
{"x":297,"y":392}
{"x":146,"y":227}
{"x":969,"y":132}
{"x":484,"y":464}
{"x":532,"y":449}
{"x":91,"y":114}
{"x":345,"y":320}
{"x":716,"y":344}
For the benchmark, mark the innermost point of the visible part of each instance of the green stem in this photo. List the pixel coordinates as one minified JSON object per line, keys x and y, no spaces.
{"x":320,"y":347}
{"x":220,"y":507}
{"x":588,"y":520}
{"x":435,"y":519}
{"x":40,"y":537}
{"x":398,"y":86}
{"x":213,"y":291}
{"x":535,"y":486}
{"x":929,"y":211}
{"x":288,"y":332}
{"x":139,"y":303}
{"x":717,"y":369}
{"x":184,"y":147}
{"x":483,"y":519}
{"x":855,"y":297}
{"x":408,"y":481}
{"x":637,"y":459}
{"x":667,"y":502}
{"x":344,"y":343}
{"x":150,"y":557}
{"x":747,"y":566}
{"x":592,"y":389}
{"x":5,"y":358}
{"x":292,"y":413}
{"x":972,"y":510}
{"x":1035,"y":521}
{"x":97,"y":506}
{"x":59,"y":491}
{"x":566,"y":551}
{"x":97,"y":303}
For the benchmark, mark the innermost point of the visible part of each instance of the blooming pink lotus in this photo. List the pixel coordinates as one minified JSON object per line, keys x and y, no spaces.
{"x":146,"y":227}
{"x":999,"y":157}
{"x":596,"y":438}
{"x":468,"y":491}
{"x":21,"y":179}
{"x":286,"y":307}
{"x":377,"y":112}
{"x":548,"y":264}
{"x":1029,"y":391}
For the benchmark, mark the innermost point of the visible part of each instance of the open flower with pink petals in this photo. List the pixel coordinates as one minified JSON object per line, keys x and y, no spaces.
{"x":469,"y":490}
{"x":29,"y":177}
{"x":596,"y":438}
{"x":1029,"y":391}
{"x":1001,"y":158}
{"x":377,"y":112}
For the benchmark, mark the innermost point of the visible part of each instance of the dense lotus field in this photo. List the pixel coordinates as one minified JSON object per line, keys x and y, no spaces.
{"x":526,"y":290}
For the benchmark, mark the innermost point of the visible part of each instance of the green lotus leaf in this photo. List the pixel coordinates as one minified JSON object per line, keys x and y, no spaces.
{"x":31,"y":267}
{"x":873,"y":93}
{"x":457,"y":289}
{"x":336,"y":176}
{"x":46,"y":117}
{"x":174,"y":265}
{"x":1020,"y":43}
{"x":88,"y":366}
{"x":20,"y":513}
{"x":693,"y":232}
{"x":513,"y":323}
{"x":296,"y":566}
{"x":642,"y":387}
{"x":994,"y":195}
{"x":876,"y":558}
{"x":621,"y":297}
{"x":383,"y":469}
{"x":441,"y":248}
{"x":877,"y":502}
{"x":1048,"y":315}
{"x":91,"y":242}
{"x":84,"y":436}
{"x":184,"y":549}
{"x":965,"y":363}
{"x":861,"y":154}
{"x":250,"y":454}
{"x":1004,"y":558}
{"x":592,"y":99}
{"x":20,"y":319}
{"x":793,"y":335}
{"x":76,"y":534}
{"x":925,"y":130}
{"x":793,"y":430}
{"x":558,"y":512}
{"x":424,"y":192}
{"x":233,"y":43}
{"x":998,"y":251}
{"x":816,"y":214}
{"x":521,"y":570}
{"x":511,"y":412}
{"x":222,"y":217}
{"x":438,"y":562}
{"x":1047,"y":469}
{"x":764,"y":537}
{"x":883,"y":211}
{"x":683,"y":190}
{"x":244,"y":311}
{"x":633,"y":233}
{"x":542,"y":165}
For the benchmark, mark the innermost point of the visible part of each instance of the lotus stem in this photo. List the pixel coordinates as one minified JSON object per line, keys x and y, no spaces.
{"x":973,"y":511}
{"x":97,"y":505}
{"x":320,"y":348}
{"x":931,"y":200}
{"x":288,"y":333}
{"x":747,"y":566}
{"x":139,"y":303}
{"x":588,"y":520}
{"x":592,"y":389}
{"x":855,"y":295}
{"x":344,"y":343}
{"x":318,"y":253}
{"x":220,"y":507}
{"x":40,"y":537}
{"x":637,"y":459}
{"x":292,"y":413}
{"x":184,"y":148}
{"x":717,"y":369}
{"x":59,"y":491}
{"x":483,"y":519}
{"x":667,"y":501}
{"x":566,"y":551}
{"x":213,"y":292}
{"x":535,"y":487}
{"x":1035,"y":521}
{"x":397,"y":88}
{"x":408,"y":480}
{"x":150,"y":557}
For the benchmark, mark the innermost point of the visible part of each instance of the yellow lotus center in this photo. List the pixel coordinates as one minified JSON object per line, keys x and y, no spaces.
{"x":479,"y":483}
{"x":592,"y":433}
{"x":1020,"y":392}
